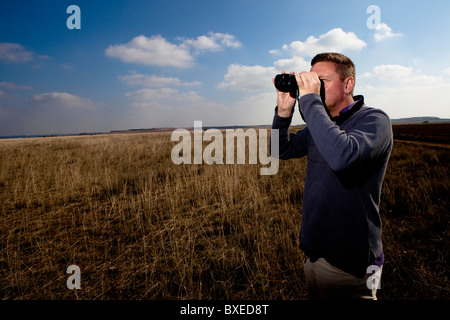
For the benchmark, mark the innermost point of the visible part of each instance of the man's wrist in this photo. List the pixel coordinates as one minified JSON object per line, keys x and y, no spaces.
{"x":286,"y":113}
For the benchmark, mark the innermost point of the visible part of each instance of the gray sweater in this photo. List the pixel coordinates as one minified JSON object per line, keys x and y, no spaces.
{"x":347,"y":159}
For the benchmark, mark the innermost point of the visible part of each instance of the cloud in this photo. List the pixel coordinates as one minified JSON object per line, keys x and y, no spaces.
{"x":167,"y":107}
{"x":155,"y":81}
{"x":213,"y":42}
{"x":14,"y":53}
{"x":388,"y":72}
{"x":248,"y":78}
{"x":294,"y":64}
{"x":335,"y":40}
{"x":149,"y":95}
{"x":66,"y":66}
{"x":168,"y":98}
{"x":447,"y":71}
{"x":61,"y":100}
{"x":13,"y":86}
{"x":158,"y":51}
{"x":399,"y":75}
{"x":10,"y":86}
{"x":152,"y":51}
{"x":383,"y":31}
{"x":55,"y":113}
{"x":254,"y":78}
{"x":410,"y":100}
{"x":258,"y":109}
{"x":402,"y":91}
{"x":275,"y":52}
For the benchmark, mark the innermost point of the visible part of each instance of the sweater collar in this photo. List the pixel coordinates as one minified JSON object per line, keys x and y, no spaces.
{"x":345,"y":113}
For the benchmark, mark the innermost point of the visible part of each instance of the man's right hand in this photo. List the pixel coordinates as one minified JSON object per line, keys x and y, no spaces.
{"x":285,"y":102}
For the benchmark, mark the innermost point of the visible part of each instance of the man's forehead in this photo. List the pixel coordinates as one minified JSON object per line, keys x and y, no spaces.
{"x":324,"y":68}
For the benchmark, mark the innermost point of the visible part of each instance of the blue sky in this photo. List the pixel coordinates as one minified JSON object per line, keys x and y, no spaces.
{"x":145,"y":64}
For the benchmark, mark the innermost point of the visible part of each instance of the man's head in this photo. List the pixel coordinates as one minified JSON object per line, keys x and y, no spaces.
{"x":343,"y":65}
{"x":338,"y":73}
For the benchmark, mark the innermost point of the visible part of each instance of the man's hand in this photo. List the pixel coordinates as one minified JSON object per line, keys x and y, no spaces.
{"x":308,"y":82}
{"x":285,"y":102}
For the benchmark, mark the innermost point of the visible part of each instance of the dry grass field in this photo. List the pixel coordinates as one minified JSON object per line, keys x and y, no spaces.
{"x":141,"y":227}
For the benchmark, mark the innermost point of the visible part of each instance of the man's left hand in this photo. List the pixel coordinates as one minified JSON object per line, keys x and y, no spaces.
{"x":308,"y":82}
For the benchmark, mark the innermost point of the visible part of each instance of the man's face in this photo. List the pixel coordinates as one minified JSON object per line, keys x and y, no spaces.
{"x":335,"y":89}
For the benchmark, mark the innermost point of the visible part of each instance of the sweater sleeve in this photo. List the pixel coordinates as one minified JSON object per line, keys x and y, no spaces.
{"x":291,"y":145}
{"x":369,"y":137}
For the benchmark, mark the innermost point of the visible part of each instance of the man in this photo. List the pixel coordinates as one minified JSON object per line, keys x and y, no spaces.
{"x":347,"y":149}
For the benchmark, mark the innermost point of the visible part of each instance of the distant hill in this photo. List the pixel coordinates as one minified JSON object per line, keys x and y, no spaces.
{"x":419,"y":120}
{"x":411,"y":120}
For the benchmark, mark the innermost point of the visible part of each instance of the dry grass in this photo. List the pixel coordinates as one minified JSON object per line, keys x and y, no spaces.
{"x":140,"y":227}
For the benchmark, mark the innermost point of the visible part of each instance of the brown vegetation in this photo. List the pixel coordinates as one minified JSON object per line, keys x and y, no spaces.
{"x":140,"y":227}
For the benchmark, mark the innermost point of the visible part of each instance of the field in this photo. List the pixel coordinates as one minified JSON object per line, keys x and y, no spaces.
{"x":140,"y":227}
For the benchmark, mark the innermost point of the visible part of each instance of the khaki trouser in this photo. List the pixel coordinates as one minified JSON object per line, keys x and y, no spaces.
{"x":325,"y":281}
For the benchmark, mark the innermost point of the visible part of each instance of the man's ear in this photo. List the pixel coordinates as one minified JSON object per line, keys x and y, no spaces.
{"x":349,"y":85}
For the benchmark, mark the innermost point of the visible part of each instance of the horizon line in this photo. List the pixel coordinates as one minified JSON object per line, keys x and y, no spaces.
{"x":410,"y":120}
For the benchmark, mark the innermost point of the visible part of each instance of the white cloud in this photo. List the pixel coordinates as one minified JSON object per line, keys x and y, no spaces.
{"x":55,"y":113}
{"x":409,"y":101}
{"x":388,"y":72}
{"x":213,"y":42}
{"x":149,"y":95}
{"x":402,"y":92}
{"x":275,"y":52}
{"x":167,"y":97}
{"x":166,"y":107}
{"x":295,"y":64}
{"x":61,"y":100}
{"x":248,"y":78}
{"x":172,"y":108}
{"x":254,"y":78}
{"x":155,"y":81}
{"x":158,"y":51}
{"x":152,"y":51}
{"x":335,"y":40}
{"x":383,"y":31}
{"x":14,"y":53}
{"x":258,"y":109}
{"x":399,"y":75}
